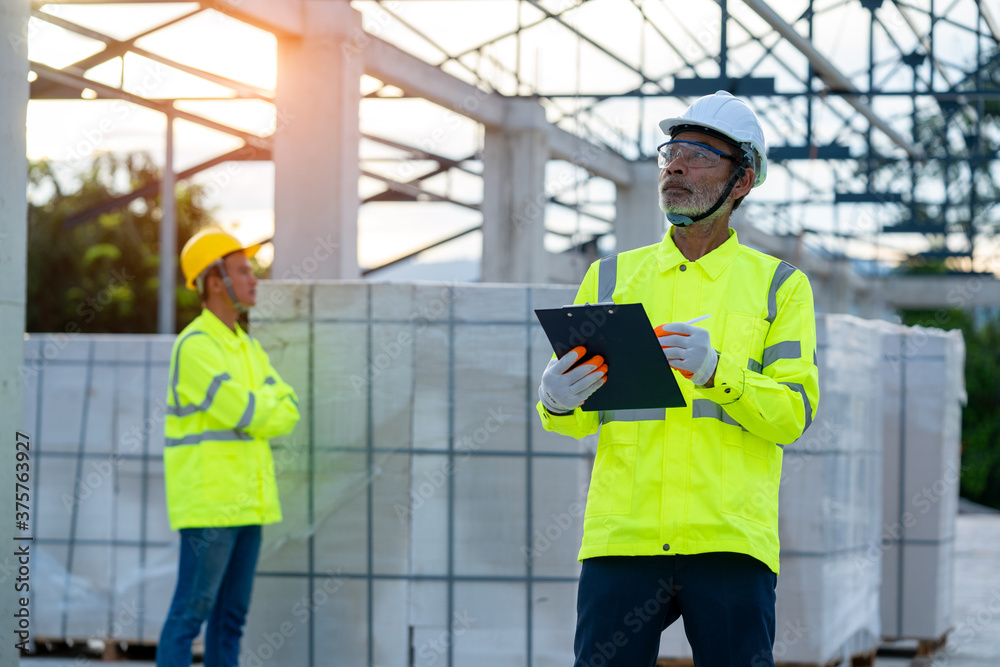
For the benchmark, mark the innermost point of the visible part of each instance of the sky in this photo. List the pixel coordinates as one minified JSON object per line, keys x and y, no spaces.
{"x":551,"y":59}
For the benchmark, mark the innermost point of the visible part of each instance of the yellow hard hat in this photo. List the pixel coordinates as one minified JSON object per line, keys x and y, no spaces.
{"x":205,"y":247}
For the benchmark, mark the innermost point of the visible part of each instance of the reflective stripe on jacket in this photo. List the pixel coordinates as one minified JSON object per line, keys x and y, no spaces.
{"x":705,"y":477}
{"x":224,"y":402}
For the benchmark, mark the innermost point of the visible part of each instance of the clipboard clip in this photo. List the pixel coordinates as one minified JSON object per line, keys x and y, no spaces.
{"x":573,"y":306}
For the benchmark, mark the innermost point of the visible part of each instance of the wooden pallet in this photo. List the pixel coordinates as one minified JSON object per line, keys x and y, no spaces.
{"x":112,"y":651}
{"x":931,"y":646}
{"x":866,"y":659}
{"x":910,"y":647}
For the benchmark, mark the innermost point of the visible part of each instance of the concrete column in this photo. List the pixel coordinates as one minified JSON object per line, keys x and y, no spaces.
{"x":839,"y":291}
{"x":514,"y":199}
{"x":316,"y":145}
{"x":833,"y":290}
{"x":872,"y":306}
{"x":639,"y":220}
{"x":13,"y":238}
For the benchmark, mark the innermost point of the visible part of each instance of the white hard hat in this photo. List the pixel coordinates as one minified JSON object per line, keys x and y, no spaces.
{"x":730,"y":117}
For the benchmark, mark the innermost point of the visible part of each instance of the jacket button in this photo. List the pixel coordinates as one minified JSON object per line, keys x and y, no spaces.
{"x":684,"y":267}
{"x":728,"y":390}
{"x":666,"y":547}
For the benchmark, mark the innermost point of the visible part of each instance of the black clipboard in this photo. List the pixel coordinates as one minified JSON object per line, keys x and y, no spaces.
{"x":639,"y":376}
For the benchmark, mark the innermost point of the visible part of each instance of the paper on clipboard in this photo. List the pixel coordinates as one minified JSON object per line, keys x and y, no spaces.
{"x":639,"y":376}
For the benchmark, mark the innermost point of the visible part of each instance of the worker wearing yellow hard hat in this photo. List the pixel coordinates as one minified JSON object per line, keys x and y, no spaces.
{"x":682,"y":510}
{"x":224,"y":402}
{"x":208,"y":248}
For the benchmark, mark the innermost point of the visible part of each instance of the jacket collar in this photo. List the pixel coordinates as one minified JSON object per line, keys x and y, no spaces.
{"x":668,"y":256}
{"x":214,"y":327}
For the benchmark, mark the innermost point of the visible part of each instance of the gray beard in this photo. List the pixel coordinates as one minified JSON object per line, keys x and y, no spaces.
{"x":699,"y":199}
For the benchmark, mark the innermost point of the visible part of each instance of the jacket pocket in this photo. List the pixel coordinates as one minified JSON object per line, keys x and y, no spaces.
{"x":743,"y":340}
{"x":613,"y":479}
{"x":749,"y":477}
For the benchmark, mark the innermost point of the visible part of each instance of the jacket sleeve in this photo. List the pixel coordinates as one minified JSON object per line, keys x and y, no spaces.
{"x":779,"y":402}
{"x":578,"y":424}
{"x":200,"y":383}
{"x":284,"y":415}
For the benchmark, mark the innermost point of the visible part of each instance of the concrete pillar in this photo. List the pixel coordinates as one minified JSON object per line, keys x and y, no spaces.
{"x":833,"y":291}
{"x":13,"y":239}
{"x":514,"y":199}
{"x":639,"y":220}
{"x":839,"y":288}
{"x":872,"y":306}
{"x":316,"y":145}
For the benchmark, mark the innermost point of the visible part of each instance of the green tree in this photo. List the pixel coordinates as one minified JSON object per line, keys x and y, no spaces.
{"x":981,"y":417}
{"x":102,"y":275}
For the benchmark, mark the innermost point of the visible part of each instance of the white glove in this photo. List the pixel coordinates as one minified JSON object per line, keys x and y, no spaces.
{"x":562,"y":391}
{"x":689,"y":349}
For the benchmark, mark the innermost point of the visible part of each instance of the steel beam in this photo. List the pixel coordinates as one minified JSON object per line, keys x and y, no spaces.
{"x":111,"y":51}
{"x":394,"y":66}
{"x":284,"y":19}
{"x":79,"y":82}
{"x":150,"y":189}
{"x":166,"y":310}
{"x":596,"y":159}
{"x":414,"y":192}
{"x":831,"y":75}
{"x":116,"y":47}
{"x":421,"y":154}
{"x":411,"y":255}
{"x":387,"y":63}
{"x":991,"y":21}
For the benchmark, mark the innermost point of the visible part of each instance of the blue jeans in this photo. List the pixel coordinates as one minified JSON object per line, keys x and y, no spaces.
{"x":214,"y":582}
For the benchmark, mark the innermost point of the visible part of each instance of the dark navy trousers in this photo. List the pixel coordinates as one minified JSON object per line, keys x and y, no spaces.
{"x":625,"y":602}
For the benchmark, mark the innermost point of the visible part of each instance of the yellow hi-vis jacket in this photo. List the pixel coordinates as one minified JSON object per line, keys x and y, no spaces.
{"x":223,"y":403}
{"x":703,"y":478}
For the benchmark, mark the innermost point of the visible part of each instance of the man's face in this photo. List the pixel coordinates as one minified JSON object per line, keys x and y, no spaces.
{"x":244,"y":281}
{"x":691,"y":190}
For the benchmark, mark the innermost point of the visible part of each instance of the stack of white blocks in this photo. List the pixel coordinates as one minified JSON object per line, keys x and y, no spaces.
{"x":412,"y":528}
{"x":831,"y":505}
{"x":407,"y":485}
{"x":923,"y":375}
{"x":105,"y":559}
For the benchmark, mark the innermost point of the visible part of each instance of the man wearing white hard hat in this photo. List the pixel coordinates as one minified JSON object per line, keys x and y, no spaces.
{"x":682,"y":511}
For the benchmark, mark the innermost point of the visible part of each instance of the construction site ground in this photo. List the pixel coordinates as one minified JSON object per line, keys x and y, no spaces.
{"x":974,"y":640}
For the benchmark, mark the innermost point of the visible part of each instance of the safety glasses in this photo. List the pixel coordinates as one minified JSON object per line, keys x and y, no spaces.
{"x":691,"y":153}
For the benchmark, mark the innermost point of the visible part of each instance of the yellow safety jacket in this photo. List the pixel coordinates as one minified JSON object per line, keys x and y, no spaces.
{"x":702,"y":478}
{"x":223,"y":403}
